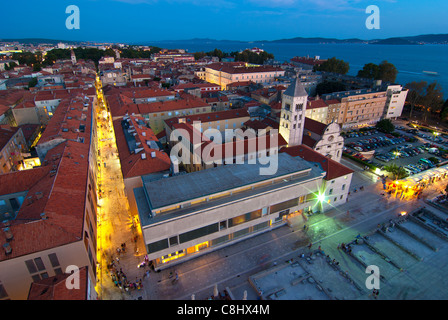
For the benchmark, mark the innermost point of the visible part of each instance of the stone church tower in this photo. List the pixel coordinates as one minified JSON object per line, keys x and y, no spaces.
{"x":292,"y":116}
{"x":73,"y":57}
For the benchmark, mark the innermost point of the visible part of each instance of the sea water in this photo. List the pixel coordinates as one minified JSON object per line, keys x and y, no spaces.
{"x":411,"y":60}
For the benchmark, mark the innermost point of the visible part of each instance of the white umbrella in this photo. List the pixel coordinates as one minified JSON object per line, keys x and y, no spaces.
{"x":215,"y":290}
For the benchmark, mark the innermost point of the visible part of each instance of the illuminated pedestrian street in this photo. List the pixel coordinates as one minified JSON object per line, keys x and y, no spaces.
{"x":115,"y":224}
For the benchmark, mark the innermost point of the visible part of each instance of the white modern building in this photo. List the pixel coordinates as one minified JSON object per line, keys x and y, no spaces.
{"x":188,"y":215}
{"x":396,"y":98}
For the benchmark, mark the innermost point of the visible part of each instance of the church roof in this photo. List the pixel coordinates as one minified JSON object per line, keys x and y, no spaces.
{"x":296,"y":89}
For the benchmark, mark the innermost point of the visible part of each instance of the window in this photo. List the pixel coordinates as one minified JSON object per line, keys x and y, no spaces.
{"x":331,"y":191}
{"x":223,"y":225}
{"x":174,"y":241}
{"x":158,"y":245}
{"x":264,"y":211}
{"x":31,"y":266}
{"x":54,"y":260}
{"x":343,"y":187}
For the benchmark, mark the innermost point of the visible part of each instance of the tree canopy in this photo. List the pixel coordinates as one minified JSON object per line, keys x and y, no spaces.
{"x":415,"y":94}
{"x":245,"y":56}
{"x":385,"y":125}
{"x":334,"y":65}
{"x":329,"y":87}
{"x":385,"y":71}
{"x":93,"y":54}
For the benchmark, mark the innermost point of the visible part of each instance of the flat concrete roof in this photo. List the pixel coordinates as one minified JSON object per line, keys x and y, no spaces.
{"x":173,"y":190}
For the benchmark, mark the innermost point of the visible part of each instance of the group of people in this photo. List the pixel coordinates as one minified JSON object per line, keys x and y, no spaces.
{"x":121,"y":281}
{"x":220,"y":296}
{"x":119,"y":278}
{"x":345,"y":247}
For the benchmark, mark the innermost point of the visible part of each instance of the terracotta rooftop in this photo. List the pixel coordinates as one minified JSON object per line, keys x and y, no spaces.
{"x":210,"y":117}
{"x":315,"y":126}
{"x":6,"y":133}
{"x":54,"y":288}
{"x":132,"y":163}
{"x":237,"y":68}
{"x":61,"y":180}
{"x":172,"y":105}
{"x":332,"y":168}
{"x":316,"y":104}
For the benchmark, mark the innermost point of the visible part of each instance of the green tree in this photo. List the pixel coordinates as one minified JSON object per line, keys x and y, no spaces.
{"x":385,"y":125}
{"x":386,"y":72}
{"x":37,"y":67}
{"x":329,"y":87}
{"x":32,"y":83}
{"x":398,"y":171}
{"x":10,"y":66}
{"x":334,"y":65}
{"x":433,"y":99}
{"x":369,"y":71}
{"x":415,"y":94}
{"x":444,"y":112}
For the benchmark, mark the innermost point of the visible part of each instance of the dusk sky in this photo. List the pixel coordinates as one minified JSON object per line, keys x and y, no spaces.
{"x":146,"y":20}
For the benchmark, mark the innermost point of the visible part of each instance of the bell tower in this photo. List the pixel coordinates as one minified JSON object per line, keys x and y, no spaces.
{"x":73,"y":56}
{"x":292,"y":116}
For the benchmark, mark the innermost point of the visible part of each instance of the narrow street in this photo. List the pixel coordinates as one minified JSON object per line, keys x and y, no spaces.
{"x":115,"y":225}
{"x":230,"y":267}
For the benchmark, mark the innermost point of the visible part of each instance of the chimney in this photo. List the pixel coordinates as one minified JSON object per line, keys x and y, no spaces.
{"x":43,"y":216}
{"x":8,"y":234}
{"x":7,"y":248}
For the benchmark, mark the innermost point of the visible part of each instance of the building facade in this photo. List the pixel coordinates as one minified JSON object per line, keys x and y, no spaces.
{"x":188,"y":215}
{"x":227,"y":73}
{"x":292,"y":116}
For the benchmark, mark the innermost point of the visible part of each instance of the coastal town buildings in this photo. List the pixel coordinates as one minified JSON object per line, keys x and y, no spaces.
{"x":230,"y":72}
{"x":41,"y":234}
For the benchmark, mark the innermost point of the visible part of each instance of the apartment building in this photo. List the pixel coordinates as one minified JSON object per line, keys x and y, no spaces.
{"x":317,"y":110}
{"x":368,"y":106}
{"x":49,"y":212}
{"x":224,"y":74}
{"x":140,"y":152}
{"x":12,"y":145}
{"x":188,"y":215}
{"x":396,"y":98}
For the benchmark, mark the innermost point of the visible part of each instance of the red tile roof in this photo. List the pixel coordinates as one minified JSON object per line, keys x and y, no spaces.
{"x":237,"y":68}
{"x":132,"y":164}
{"x":54,"y":288}
{"x":6,"y":133}
{"x":61,"y":180}
{"x":315,"y":126}
{"x":332,"y":168}
{"x":210,"y":117}
{"x":172,"y":105}
{"x":316,"y":104}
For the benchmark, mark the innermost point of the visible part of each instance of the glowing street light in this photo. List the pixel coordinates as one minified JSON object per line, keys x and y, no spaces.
{"x":321,"y":197}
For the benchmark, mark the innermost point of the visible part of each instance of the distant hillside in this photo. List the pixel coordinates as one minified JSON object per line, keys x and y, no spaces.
{"x":429,"y":38}
{"x":317,"y":40}
{"x":394,"y":41}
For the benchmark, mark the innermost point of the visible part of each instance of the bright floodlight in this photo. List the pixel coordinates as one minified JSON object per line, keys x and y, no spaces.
{"x":321,"y":197}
